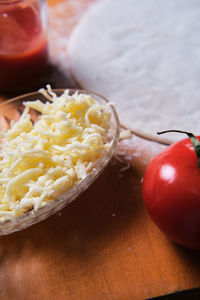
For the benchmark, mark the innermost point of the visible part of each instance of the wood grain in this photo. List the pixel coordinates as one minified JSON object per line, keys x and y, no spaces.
{"x":102,"y":246}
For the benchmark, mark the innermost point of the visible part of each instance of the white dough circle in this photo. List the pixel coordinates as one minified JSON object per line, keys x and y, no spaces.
{"x":143,"y":55}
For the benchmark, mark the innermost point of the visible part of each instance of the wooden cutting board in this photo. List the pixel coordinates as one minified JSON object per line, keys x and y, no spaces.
{"x":103,"y":245}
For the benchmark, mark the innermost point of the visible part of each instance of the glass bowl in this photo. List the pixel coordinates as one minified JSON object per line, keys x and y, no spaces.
{"x":12,"y":110}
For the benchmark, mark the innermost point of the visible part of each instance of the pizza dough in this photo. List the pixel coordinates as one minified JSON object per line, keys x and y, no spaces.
{"x":145,"y":57}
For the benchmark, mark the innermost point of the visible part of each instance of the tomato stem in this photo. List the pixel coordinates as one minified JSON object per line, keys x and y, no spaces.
{"x":193,"y":138}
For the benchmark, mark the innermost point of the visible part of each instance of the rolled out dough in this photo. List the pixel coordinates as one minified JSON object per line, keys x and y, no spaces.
{"x":143,"y":55}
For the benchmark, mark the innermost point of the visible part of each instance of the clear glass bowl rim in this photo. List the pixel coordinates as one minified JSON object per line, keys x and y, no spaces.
{"x":32,"y":217}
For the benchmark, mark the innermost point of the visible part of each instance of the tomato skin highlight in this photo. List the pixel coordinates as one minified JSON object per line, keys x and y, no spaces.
{"x":171,"y":193}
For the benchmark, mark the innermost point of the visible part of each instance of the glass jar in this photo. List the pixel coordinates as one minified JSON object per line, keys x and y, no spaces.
{"x":23,"y":43}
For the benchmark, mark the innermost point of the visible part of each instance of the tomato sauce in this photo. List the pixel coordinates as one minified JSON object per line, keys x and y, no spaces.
{"x":23,"y":46}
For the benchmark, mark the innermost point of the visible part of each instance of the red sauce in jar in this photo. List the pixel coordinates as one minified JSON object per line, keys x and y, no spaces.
{"x":23,"y":46}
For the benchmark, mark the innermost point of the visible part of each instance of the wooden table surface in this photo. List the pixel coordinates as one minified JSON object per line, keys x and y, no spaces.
{"x":102,"y":246}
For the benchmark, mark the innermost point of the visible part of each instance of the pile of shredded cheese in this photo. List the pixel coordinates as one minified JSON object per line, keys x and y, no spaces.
{"x":41,"y":160}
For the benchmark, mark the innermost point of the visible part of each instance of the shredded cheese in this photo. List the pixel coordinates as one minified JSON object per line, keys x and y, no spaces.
{"x":41,"y":160}
{"x":125,"y":134}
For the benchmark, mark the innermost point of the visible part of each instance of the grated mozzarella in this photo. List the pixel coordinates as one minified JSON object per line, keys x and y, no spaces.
{"x":40,"y":161}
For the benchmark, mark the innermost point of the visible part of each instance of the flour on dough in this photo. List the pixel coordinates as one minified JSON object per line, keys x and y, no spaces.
{"x":145,"y":57}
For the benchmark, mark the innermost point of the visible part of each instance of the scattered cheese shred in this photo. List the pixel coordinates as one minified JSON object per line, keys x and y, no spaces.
{"x":125,"y":134}
{"x":41,"y":160}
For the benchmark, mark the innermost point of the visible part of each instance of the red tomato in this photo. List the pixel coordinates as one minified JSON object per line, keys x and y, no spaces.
{"x":171,"y":193}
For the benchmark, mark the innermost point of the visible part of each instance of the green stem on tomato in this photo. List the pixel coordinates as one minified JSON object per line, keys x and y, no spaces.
{"x":193,"y":138}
